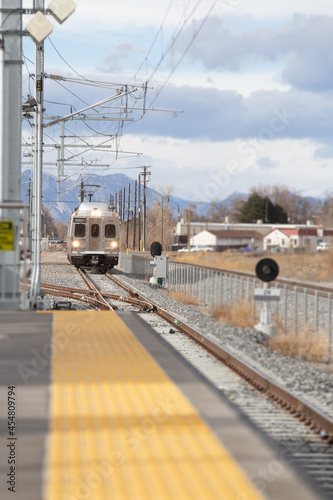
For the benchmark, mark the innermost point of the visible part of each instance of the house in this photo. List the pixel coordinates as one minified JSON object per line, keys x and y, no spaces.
{"x":305,"y":237}
{"x":228,"y":238}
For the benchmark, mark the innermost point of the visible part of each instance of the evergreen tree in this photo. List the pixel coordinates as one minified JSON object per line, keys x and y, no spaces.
{"x":259,"y":208}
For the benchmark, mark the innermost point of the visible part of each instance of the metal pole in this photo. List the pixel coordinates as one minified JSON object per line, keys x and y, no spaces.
{"x":316,"y":310}
{"x":10,"y":142}
{"x":128,"y":209}
{"x":189,"y":229}
{"x":134,"y":229}
{"x":285,"y":317}
{"x":144,"y":209}
{"x":162,"y":225}
{"x":329,"y":322}
{"x":139,"y":212}
{"x":38,"y":171}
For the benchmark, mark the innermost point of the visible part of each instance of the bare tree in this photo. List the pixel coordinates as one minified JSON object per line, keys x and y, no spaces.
{"x":49,"y":225}
{"x":159,"y":218}
{"x":235,"y":209}
{"x":216,"y":211}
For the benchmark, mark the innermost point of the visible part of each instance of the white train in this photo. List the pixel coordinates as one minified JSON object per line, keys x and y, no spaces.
{"x":93,"y":236}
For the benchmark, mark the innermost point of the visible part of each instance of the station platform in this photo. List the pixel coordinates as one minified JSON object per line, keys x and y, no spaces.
{"x":105,"y":409}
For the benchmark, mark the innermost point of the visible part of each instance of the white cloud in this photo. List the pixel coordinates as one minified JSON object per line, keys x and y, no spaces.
{"x":261,"y":62}
{"x":303,"y":44}
{"x":204,"y":170}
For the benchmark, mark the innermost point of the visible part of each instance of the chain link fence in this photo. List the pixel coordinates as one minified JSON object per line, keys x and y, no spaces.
{"x":299,"y":307}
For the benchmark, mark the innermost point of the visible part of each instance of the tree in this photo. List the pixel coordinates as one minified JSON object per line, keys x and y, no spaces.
{"x":216,"y":211}
{"x":236,"y":206}
{"x":259,"y":208}
{"x":49,"y":226}
{"x":299,"y":208}
{"x":160,"y":211}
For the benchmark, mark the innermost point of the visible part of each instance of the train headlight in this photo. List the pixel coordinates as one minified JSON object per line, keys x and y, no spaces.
{"x":114,"y":244}
{"x":75,"y":244}
{"x":95,"y":212}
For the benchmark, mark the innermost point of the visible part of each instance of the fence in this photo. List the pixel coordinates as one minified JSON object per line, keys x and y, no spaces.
{"x":136,"y":264}
{"x":298,"y":306}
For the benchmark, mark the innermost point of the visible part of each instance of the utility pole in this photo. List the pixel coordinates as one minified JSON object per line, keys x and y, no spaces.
{"x":82,"y":192}
{"x":140,"y":246}
{"x":134,"y":229}
{"x":124,"y":201}
{"x":10,"y":150}
{"x":120,"y":206}
{"x":189,"y":229}
{"x":145,"y":173}
{"x":128,"y":210}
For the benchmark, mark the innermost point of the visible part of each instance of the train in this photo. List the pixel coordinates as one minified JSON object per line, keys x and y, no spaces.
{"x":93,"y":236}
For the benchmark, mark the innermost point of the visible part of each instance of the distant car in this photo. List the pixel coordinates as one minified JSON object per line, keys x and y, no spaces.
{"x":206,"y":249}
{"x":193,"y":249}
{"x":323,"y":245}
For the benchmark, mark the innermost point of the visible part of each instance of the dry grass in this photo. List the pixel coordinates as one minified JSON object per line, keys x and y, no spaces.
{"x":305,"y":267}
{"x":183,"y":297}
{"x":306,"y":345}
{"x":240,"y":315}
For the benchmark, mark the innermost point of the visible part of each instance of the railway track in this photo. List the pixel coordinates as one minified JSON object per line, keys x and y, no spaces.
{"x":304,"y":432}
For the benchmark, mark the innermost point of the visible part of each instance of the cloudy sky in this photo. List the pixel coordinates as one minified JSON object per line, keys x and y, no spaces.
{"x":240,"y":92}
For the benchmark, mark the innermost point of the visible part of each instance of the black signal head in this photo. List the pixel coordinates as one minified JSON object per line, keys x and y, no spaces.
{"x":267,"y":270}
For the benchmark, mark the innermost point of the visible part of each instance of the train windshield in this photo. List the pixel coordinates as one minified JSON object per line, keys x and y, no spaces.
{"x":80,"y":230}
{"x":95,"y":230}
{"x":110,"y":231}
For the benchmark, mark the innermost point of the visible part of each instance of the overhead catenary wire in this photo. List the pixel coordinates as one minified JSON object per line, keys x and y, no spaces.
{"x":188,"y":13}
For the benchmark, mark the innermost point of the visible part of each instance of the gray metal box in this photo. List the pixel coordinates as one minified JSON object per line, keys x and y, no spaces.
{"x":162,"y":267}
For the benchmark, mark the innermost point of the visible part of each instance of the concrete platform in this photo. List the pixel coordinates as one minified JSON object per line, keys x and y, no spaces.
{"x":115,"y":413}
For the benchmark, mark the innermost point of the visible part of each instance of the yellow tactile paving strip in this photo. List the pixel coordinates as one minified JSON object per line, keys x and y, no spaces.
{"x":120,"y":429}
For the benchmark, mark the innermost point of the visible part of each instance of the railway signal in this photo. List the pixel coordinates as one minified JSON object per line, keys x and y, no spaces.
{"x":267,"y":270}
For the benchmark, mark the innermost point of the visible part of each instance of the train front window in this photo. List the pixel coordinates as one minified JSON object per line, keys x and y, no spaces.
{"x":110,"y":231}
{"x":80,"y":230}
{"x":95,"y":230}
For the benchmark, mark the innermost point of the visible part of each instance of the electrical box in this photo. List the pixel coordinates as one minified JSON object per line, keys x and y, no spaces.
{"x":162,"y":267}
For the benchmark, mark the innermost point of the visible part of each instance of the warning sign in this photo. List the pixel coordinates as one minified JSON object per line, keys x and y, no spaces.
{"x":6,"y":235}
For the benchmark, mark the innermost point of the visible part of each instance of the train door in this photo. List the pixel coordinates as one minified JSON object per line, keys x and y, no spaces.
{"x":95,"y":235}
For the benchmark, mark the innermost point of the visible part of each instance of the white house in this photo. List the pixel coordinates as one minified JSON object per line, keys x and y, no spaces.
{"x":305,"y":237}
{"x":228,"y":238}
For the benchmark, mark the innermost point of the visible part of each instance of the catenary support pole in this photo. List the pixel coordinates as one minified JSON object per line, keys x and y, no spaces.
{"x":36,"y":216}
{"x":10,"y":144}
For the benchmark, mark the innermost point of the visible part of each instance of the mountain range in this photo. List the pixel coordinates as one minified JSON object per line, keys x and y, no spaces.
{"x":62,"y":209}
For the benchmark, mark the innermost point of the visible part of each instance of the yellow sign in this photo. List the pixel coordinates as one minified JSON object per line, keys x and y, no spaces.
{"x":6,"y":235}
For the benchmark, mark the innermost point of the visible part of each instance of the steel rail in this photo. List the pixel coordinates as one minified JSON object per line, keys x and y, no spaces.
{"x":78,"y":294}
{"x":307,"y":413}
{"x":47,"y":286}
{"x":94,"y":288}
{"x":59,"y":291}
